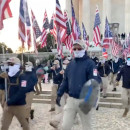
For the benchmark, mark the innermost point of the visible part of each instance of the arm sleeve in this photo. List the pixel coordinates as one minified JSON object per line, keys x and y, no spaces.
{"x":119,"y":75}
{"x":93,"y":73}
{"x":64,"y":86}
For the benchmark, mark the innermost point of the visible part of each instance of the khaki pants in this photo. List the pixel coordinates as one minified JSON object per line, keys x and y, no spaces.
{"x":2,"y":97}
{"x":113,"y":80}
{"x":70,"y":111}
{"x":8,"y":114}
{"x":105,"y":85}
{"x":126,"y":98}
{"x":54,"y":95}
{"x":29,"y":99}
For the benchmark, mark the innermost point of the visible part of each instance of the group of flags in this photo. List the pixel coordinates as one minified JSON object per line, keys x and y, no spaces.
{"x":60,"y":27}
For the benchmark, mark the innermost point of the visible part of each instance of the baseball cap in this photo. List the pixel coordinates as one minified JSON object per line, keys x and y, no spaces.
{"x":14,"y":60}
{"x":79,"y":42}
{"x":56,"y":62}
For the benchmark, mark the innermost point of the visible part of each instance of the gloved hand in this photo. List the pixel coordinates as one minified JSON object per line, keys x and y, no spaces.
{"x":117,"y":83}
{"x":58,"y":101}
{"x":105,"y":75}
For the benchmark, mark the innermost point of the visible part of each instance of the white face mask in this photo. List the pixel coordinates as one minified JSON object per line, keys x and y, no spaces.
{"x":13,"y":70}
{"x":28,"y":68}
{"x":64,"y":67}
{"x":128,"y":62}
{"x":102,"y":61}
{"x":116,"y":59}
{"x":79,"y":54}
{"x":69,"y":58}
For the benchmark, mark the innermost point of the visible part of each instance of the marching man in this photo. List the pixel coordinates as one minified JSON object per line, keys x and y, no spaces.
{"x":125,"y":73}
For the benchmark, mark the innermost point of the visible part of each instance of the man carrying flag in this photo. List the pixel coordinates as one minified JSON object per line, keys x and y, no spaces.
{"x":5,"y":11}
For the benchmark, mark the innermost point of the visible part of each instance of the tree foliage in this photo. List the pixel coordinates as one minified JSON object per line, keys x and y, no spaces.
{"x":6,"y":49}
{"x":50,"y":44}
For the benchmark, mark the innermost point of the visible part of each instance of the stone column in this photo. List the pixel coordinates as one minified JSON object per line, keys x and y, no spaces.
{"x":106,"y":13}
{"x":68,"y":8}
{"x":86,"y":15}
{"x":127,"y":16}
{"x":76,"y":8}
{"x":80,"y":13}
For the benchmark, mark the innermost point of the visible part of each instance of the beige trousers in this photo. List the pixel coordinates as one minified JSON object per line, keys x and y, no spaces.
{"x":105,"y":85}
{"x":2,"y":97}
{"x":126,"y":98}
{"x":70,"y":111}
{"x":54,"y":95}
{"x":113,"y":80}
{"x":10,"y":112}
{"x":29,"y":99}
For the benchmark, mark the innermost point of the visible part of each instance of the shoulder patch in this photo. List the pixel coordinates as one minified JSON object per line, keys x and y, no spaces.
{"x":95,"y":72}
{"x":23,"y":83}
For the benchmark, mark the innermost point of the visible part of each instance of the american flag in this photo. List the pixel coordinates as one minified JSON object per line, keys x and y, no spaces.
{"x":104,"y":53}
{"x":74,"y":25}
{"x":68,"y":41}
{"x":78,"y":30}
{"x":96,"y":30}
{"x":36,"y":31}
{"x":5,"y":11}
{"x":24,"y":24}
{"x":53,"y":27}
{"x":115,"y":48}
{"x":107,"y":35}
{"x":60,"y":21}
{"x":45,"y":21}
{"x":85,"y":36}
{"x":61,"y":28}
{"x":44,"y":32}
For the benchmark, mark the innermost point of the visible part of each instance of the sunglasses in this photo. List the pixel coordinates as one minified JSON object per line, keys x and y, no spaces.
{"x":78,"y":49}
{"x":11,"y":64}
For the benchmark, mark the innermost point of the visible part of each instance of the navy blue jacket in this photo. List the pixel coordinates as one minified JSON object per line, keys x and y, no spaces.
{"x":125,"y":73}
{"x":31,"y":80}
{"x":77,"y":73}
{"x":2,"y":84}
{"x":16,"y":95}
{"x":57,"y":77}
{"x":104,"y":69}
{"x":115,"y":67}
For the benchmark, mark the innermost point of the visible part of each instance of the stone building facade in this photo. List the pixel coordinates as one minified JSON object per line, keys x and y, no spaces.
{"x":117,"y":11}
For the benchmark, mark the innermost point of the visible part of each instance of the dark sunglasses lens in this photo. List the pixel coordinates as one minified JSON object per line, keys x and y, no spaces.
{"x":79,"y":49}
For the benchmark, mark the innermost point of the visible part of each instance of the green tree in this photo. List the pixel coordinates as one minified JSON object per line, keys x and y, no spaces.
{"x":6,"y":49}
{"x":49,"y":46}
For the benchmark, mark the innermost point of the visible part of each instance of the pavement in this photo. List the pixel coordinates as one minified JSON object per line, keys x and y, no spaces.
{"x":103,"y":119}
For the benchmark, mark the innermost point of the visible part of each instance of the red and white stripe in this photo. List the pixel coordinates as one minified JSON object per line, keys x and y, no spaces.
{"x":53,"y":31}
{"x":96,"y":35}
{"x":60,"y":21}
{"x":5,"y":11}
{"x":44,"y":33}
{"x":115,"y":48}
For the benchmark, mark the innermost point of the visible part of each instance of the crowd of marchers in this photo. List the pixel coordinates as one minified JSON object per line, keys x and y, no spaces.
{"x":73,"y":90}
